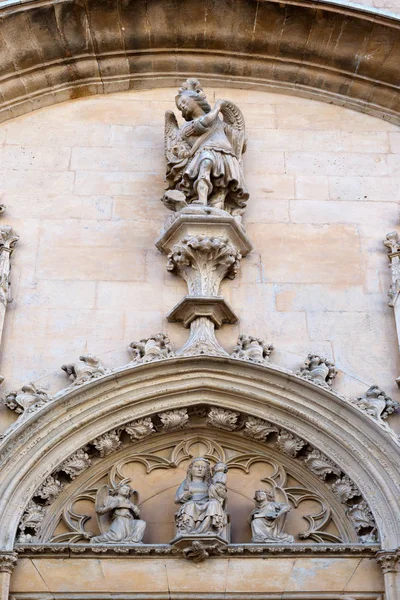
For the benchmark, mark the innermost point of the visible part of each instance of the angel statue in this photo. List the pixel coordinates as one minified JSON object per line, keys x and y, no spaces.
{"x":202,"y":496}
{"x":268,"y":518}
{"x":117,"y":516}
{"x":204,"y":156}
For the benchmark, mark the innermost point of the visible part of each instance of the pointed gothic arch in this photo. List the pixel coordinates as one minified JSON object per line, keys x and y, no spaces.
{"x":361,"y":448}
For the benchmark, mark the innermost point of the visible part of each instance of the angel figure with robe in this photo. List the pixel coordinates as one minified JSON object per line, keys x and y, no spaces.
{"x":204,"y":156}
{"x":268,"y":518}
{"x":117,"y":516}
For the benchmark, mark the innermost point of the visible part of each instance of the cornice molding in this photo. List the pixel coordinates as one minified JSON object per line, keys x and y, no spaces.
{"x":77,"y":62}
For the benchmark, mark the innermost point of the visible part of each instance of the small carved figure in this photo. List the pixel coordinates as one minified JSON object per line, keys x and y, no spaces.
{"x":28,"y":396}
{"x":376,"y":403}
{"x":204,"y":156}
{"x":268,"y":518}
{"x":252,"y":349}
{"x":118,"y":517}
{"x":155,"y":347}
{"x":203,"y":501}
{"x":88,"y":368}
{"x":319,"y":370}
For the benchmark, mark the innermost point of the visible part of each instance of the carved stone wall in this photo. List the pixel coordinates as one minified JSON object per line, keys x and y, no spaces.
{"x":86,"y":275}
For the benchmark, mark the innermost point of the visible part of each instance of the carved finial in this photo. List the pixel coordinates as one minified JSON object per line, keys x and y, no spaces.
{"x":319,"y":370}
{"x":89,"y":367}
{"x":252,"y":349}
{"x":376,"y":403}
{"x":156,"y":347}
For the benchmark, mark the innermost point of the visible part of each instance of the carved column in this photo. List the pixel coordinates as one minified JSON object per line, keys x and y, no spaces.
{"x":8,"y":560}
{"x":204,"y":247}
{"x":389,"y":561}
{"x":8,"y":239}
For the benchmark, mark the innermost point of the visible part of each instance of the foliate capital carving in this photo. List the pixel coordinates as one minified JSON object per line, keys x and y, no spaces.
{"x":203,"y":262}
{"x":8,"y":560}
{"x":174,"y":419}
{"x":388,"y":560}
{"x":376,"y":403}
{"x":29,"y":397}
{"x":222,"y":419}
{"x":252,"y":349}
{"x":156,"y":347}
{"x":319,"y":370}
{"x":258,"y":429}
{"x":140,"y":429}
{"x":392,"y":244}
{"x":89,"y":367}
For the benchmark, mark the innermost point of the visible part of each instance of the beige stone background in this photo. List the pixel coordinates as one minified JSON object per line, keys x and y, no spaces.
{"x":82,"y":182}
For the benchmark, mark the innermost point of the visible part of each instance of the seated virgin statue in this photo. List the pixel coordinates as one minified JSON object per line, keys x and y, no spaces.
{"x":202,"y":496}
{"x":267,"y":520}
{"x":117,"y":516}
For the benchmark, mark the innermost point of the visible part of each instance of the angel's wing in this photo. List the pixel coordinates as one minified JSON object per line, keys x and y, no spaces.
{"x":102,"y":499}
{"x":234,"y":127}
{"x":173,"y":142}
{"x":281,"y":496}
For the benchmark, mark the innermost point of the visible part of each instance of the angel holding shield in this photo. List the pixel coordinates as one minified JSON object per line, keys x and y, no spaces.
{"x":204,"y":156}
{"x":118,"y":517}
{"x":268,"y":518}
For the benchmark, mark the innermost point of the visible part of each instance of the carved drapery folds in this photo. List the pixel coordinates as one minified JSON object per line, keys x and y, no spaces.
{"x":256,"y":442}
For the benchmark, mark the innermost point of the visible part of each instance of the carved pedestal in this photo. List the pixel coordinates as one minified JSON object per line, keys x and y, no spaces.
{"x":204,"y":246}
{"x":199,"y":547}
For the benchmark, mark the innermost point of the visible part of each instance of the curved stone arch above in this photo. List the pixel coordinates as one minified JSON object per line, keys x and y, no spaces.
{"x":357,"y":444}
{"x":286,"y":46}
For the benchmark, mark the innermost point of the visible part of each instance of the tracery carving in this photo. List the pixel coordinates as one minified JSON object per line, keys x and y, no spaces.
{"x":28,"y":398}
{"x":318,"y":370}
{"x":89,"y":367}
{"x":204,"y":156}
{"x":156,"y":347}
{"x":222,"y":419}
{"x":252,"y":349}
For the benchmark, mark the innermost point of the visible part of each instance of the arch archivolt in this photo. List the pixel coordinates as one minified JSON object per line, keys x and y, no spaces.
{"x":320,"y":440}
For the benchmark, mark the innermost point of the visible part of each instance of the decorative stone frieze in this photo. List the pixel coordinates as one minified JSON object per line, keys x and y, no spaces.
{"x":321,"y":465}
{"x":174,"y":419}
{"x":222,"y":419}
{"x":319,"y":370}
{"x":140,"y":429}
{"x":76,"y":464}
{"x":89,"y":367}
{"x":289,"y":444}
{"x":50,"y":489}
{"x":27,"y":398}
{"x":156,"y":347}
{"x":257,"y":429}
{"x":107,"y":443}
{"x":252,"y":349}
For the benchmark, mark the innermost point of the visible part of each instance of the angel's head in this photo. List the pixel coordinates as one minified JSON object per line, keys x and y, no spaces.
{"x":261,"y":496}
{"x":191,"y":100}
{"x":122,"y":489}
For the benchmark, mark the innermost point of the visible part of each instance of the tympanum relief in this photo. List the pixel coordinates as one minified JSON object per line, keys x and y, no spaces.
{"x":247,"y":487}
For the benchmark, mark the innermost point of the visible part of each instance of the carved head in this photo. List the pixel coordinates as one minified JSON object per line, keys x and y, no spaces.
{"x":220,"y":467}
{"x":191,"y":98}
{"x":261,"y":496}
{"x":199,"y":467}
{"x":122,"y":489}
